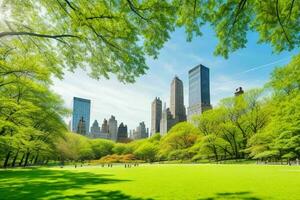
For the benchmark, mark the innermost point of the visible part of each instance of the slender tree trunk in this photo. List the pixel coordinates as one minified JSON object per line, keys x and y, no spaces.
{"x":15,"y":158}
{"x":32,"y":159}
{"x":216,"y":154}
{"x":36,"y":158}
{"x":6,"y":159}
{"x":26,"y":159}
{"x":21,"y":161}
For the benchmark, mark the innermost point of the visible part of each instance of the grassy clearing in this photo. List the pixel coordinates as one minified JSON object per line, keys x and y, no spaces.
{"x":169,"y":181}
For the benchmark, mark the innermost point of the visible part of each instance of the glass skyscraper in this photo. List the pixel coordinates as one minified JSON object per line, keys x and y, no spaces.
{"x":81,"y":110}
{"x":199,"y":94}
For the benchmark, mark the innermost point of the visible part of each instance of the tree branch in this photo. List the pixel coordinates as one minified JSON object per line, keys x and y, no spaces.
{"x":133,"y":8}
{"x":70,"y":5}
{"x":281,"y":25}
{"x":101,"y":17}
{"x":13,"y":33}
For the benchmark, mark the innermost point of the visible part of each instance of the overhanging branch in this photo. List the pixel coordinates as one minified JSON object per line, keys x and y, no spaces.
{"x":7,"y":34}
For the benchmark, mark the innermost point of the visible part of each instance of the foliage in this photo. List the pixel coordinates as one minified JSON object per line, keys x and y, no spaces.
{"x":114,"y":158}
{"x":114,"y":36}
{"x":147,"y":151}
{"x":31,"y":115}
{"x":182,"y":136}
{"x":282,"y":134}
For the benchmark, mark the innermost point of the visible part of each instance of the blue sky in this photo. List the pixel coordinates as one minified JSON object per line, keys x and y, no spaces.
{"x":131,"y":103}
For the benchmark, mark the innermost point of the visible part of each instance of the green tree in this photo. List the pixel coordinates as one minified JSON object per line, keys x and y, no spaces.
{"x":181,"y":136}
{"x":102,"y":147}
{"x":113,"y":36}
{"x":281,"y":137}
{"x":276,"y":22}
{"x":147,"y":151}
{"x":110,"y":37}
{"x":28,"y":126}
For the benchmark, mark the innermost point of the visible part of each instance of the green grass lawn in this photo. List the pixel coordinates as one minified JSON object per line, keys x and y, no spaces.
{"x":169,"y":181}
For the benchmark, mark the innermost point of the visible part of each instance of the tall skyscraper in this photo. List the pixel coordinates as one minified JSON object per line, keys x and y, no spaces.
{"x":104,"y":130}
{"x":104,"y":126}
{"x":167,"y":121}
{"x":177,"y":100}
{"x":113,"y":128}
{"x":95,"y":130}
{"x":81,"y":127}
{"x":141,"y":131}
{"x":156,"y":110}
{"x":81,"y":110}
{"x":122,"y":132}
{"x":199,"y":93}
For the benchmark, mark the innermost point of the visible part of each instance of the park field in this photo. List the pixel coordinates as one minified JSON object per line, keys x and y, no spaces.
{"x":166,"y":181}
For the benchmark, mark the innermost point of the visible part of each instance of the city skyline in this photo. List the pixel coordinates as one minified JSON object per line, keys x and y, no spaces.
{"x":131,"y":103}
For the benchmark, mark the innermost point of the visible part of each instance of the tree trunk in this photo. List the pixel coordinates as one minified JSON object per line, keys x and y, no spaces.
{"x":15,"y":158}
{"x":36,"y":158}
{"x":32,"y":159}
{"x":6,"y":159}
{"x":26,"y":159}
{"x":21,"y":161}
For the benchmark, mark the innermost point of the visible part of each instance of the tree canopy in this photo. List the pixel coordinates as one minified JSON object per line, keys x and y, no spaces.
{"x":114,"y":36}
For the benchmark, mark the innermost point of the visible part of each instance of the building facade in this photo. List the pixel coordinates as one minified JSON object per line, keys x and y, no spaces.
{"x":167,"y":121}
{"x":95,"y":130}
{"x":140,"y":132}
{"x":113,"y":128}
{"x":177,"y":108}
{"x":176,"y":113}
{"x":238,"y":91}
{"x":156,"y":111}
{"x":199,"y":91}
{"x":81,"y":110}
{"x":122,"y":132}
{"x":81,"y":127}
{"x":104,"y":126}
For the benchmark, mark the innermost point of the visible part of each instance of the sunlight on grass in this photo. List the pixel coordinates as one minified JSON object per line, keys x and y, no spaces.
{"x":203,"y":182}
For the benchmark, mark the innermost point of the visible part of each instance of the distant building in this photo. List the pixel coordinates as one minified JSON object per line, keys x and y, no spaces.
{"x":104,"y":126}
{"x":113,"y":128}
{"x":167,"y":121}
{"x":81,"y":110}
{"x":140,"y":132}
{"x":156,"y":110}
{"x":177,"y":108}
{"x":104,"y":130}
{"x":199,"y":91}
{"x":122,"y":132}
{"x":81,"y":127}
{"x":238,"y":91}
{"x":176,"y":113}
{"x":95,"y":130}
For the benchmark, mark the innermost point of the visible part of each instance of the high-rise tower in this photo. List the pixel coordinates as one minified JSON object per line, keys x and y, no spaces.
{"x":81,"y":110}
{"x":113,"y":128}
{"x":199,"y":94}
{"x":177,"y":100}
{"x":156,"y":110}
{"x":95,"y":130}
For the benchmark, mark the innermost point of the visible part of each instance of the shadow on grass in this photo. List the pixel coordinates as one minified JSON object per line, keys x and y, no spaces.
{"x":232,"y":195}
{"x":50,"y":184}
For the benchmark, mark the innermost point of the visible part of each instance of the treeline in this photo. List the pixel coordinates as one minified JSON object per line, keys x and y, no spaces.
{"x":31,"y":115}
{"x":261,"y":124}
